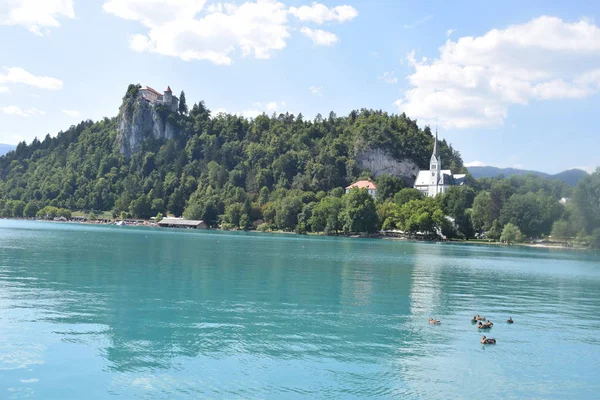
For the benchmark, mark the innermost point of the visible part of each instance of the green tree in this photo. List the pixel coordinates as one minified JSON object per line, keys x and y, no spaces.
{"x":511,"y":234}
{"x":18,"y":208}
{"x":406,"y":195}
{"x":31,"y":209}
{"x":236,"y":216}
{"x":482,"y":214}
{"x":595,"y":239}
{"x":48,"y":212}
{"x":533,"y":213}
{"x":359,"y":213}
{"x":326,"y":215}
{"x":141,"y":207}
{"x":159,"y":217}
{"x":286,"y":216}
{"x":563,"y":230}
{"x":388,"y":186}
{"x":425,"y":216}
{"x":92,"y":216}
{"x":177,"y":202}
{"x":183,"y":108}
{"x":586,"y":201}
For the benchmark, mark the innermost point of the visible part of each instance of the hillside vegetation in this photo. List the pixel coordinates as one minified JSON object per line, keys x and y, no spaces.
{"x":279,"y":172}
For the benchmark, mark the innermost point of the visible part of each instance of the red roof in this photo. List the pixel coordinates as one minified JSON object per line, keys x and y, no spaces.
{"x":148,"y":88}
{"x":366,"y":184}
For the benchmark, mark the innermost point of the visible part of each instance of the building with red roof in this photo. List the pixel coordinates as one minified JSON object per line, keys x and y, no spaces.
{"x":363,"y":184}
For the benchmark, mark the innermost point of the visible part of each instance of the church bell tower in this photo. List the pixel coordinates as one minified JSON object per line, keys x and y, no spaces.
{"x":435,"y":166}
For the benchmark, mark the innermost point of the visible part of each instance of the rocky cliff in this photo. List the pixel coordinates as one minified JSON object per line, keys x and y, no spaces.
{"x":380,"y":162}
{"x":139,"y":120}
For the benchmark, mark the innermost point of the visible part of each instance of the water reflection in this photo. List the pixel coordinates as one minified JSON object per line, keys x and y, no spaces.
{"x":244,"y":315}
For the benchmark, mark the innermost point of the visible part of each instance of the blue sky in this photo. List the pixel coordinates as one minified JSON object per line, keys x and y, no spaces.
{"x":512,"y":84}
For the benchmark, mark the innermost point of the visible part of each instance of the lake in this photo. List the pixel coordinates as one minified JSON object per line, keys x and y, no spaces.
{"x":95,"y":312}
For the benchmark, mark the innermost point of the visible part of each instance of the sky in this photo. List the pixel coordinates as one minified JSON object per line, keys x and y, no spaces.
{"x":508,"y":84}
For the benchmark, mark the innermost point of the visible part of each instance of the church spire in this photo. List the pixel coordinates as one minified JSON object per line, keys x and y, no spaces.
{"x":435,"y":162}
{"x":435,"y":148}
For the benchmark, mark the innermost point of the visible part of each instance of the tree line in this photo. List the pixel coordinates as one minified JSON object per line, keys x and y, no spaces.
{"x":279,"y":172}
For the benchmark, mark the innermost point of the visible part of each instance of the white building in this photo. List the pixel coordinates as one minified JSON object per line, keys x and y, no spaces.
{"x":167,"y":98}
{"x":437,"y":180}
{"x":364,"y":184}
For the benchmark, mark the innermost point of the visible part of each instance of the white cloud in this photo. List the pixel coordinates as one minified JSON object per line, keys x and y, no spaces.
{"x":19,"y":75}
{"x":389,"y":78}
{"x":253,"y":28}
{"x":475,"y":79}
{"x":189,"y":30}
{"x":475,"y":164}
{"x":14,"y":110}
{"x":4,"y":89}
{"x":268,"y":108}
{"x":35,"y":15}
{"x":218,"y":111}
{"x":316,"y":90}
{"x":449,"y":32}
{"x":72,"y":113}
{"x":319,"y":13}
{"x":418,"y":22}
{"x":320,"y":37}
{"x":152,"y":13}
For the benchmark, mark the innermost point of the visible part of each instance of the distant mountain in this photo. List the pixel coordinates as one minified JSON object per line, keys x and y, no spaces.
{"x":5,"y":148}
{"x":570,"y":177}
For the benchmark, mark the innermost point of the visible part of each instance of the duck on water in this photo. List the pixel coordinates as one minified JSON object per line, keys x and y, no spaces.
{"x":477,"y":318}
{"x":485,"y":340}
{"x":487,"y":325}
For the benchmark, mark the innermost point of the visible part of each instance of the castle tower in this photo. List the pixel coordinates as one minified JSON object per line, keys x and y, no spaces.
{"x":435,"y":166}
{"x":168,"y":96}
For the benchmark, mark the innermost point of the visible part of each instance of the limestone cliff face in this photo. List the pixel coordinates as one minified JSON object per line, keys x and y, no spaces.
{"x":380,"y":162}
{"x":139,"y":122}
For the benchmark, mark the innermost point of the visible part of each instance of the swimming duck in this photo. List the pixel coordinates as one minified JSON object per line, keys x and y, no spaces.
{"x":434,"y":321}
{"x":509,"y":320}
{"x":485,"y":340}
{"x":478,"y":318}
{"x":487,"y":325}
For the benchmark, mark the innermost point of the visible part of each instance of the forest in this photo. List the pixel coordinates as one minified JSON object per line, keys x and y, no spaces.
{"x":284,"y":172}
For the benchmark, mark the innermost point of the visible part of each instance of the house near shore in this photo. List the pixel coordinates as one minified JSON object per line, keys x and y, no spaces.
{"x":364,"y":184}
{"x":182,"y":223}
{"x":437,"y":180}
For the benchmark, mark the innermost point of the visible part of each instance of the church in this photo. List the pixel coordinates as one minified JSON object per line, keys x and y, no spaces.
{"x":436,"y":180}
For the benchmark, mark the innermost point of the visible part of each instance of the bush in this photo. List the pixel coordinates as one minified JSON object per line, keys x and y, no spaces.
{"x":264,"y":227}
{"x":595,"y":240}
{"x":511,"y":234}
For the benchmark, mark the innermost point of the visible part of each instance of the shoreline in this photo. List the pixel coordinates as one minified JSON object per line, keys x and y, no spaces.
{"x":380,"y":236}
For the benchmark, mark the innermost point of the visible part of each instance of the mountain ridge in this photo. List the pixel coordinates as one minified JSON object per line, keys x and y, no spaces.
{"x":5,"y":148}
{"x":570,"y":176}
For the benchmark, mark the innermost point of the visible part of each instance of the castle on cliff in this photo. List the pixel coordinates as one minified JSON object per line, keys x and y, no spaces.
{"x":154,"y":97}
{"x":437,"y":180}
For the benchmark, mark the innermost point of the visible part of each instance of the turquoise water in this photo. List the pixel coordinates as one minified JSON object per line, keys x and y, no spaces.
{"x":94,"y":312}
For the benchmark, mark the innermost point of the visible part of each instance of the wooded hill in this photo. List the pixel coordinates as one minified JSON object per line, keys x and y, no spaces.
{"x":280,"y":172}
{"x":226,"y":158}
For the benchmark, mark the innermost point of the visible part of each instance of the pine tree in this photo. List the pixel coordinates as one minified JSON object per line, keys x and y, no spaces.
{"x":183,"y":108}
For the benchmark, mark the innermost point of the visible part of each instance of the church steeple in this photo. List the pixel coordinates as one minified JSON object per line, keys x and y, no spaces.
{"x":436,"y":162}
